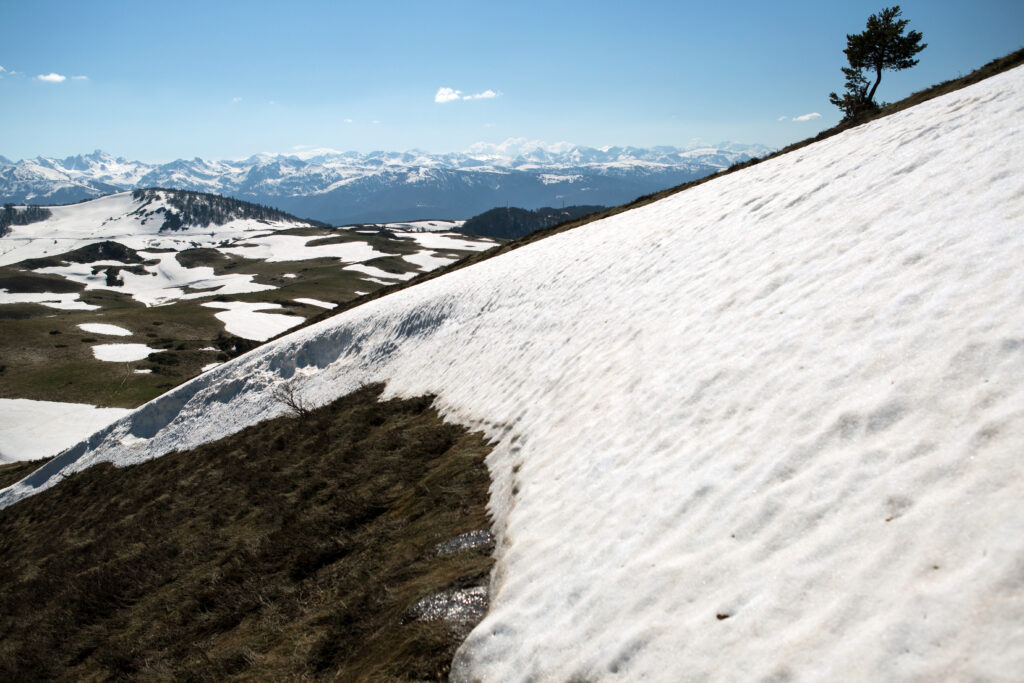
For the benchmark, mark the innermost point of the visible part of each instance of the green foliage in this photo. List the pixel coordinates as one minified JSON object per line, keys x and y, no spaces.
{"x":881,"y":46}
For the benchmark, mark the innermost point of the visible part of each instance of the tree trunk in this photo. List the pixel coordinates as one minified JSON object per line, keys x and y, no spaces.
{"x":878,"y":73}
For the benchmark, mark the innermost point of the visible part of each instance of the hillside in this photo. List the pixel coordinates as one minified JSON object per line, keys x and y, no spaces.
{"x":314,"y":555}
{"x":768,"y":428}
{"x":115,"y":300}
{"x":511,"y":222}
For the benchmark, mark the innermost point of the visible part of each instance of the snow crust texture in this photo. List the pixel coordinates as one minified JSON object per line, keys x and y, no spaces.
{"x":769,"y":428}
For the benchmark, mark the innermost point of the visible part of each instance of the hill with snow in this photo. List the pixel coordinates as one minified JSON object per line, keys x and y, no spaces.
{"x":112,"y":301}
{"x":766,"y":428}
{"x":350,"y":187}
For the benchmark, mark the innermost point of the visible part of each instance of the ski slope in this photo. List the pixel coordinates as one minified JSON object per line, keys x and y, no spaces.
{"x":769,"y":428}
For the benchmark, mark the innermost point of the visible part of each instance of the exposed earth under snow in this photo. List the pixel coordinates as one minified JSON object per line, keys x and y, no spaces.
{"x":767,"y":428}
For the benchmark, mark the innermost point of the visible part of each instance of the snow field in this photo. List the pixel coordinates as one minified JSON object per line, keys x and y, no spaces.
{"x":767,"y":428}
{"x":30,"y":430}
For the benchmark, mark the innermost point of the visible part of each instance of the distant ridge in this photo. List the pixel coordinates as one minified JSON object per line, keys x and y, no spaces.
{"x":350,"y":187}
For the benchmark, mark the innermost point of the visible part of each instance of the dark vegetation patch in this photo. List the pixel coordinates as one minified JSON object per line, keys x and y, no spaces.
{"x":392,"y":264}
{"x":21,"y":283}
{"x":291,"y":550}
{"x":10,"y":215}
{"x":202,"y":256}
{"x":98,"y":251}
{"x":510,"y":222}
{"x":201,"y":209}
{"x":381,"y":239}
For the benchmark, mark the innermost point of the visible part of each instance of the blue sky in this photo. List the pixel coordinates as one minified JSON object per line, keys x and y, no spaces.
{"x":159,"y":81}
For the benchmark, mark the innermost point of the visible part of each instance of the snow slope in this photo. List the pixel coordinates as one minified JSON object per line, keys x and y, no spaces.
{"x":767,"y":428}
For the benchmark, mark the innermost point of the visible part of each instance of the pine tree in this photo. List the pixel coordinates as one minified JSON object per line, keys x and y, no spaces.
{"x":881,"y":46}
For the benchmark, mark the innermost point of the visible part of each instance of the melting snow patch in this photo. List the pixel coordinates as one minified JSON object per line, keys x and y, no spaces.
{"x":66,"y":302}
{"x":209,"y":366}
{"x":274,"y":248}
{"x":433,"y":240}
{"x":104,"y":328}
{"x":122,"y":352}
{"x":30,"y":430}
{"x":143,"y":371}
{"x":425,"y":260}
{"x":244,"y":319}
{"x":316,"y":302}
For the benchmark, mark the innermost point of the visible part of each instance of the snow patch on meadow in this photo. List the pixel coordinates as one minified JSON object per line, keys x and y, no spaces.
{"x":105,"y":328}
{"x":316,"y":302}
{"x":30,"y":430}
{"x":68,"y":301}
{"x":122,"y":353}
{"x":246,"y":319}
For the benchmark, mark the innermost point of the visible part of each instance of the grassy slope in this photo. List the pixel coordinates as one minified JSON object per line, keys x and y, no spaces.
{"x":292,"y":549}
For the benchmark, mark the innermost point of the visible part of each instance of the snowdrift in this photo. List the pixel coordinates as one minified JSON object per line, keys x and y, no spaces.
{"x":767,"y":428}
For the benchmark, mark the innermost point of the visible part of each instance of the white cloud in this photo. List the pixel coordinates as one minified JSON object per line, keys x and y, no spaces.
{"x":79,"y":78}
{"x":3,"y":70}
{"x":485,"y":95}
{"x":447,"y":95}
{"x":808,"y":117}
{"x":52,"y":78}
{"x":236,"y":100}
{"x":348,"y":120}
{"x":783,"y":118}
{"x":451,"y":94}
{"x":375,"y":122}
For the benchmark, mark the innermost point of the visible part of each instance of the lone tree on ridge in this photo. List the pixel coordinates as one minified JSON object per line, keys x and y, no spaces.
{"x":881,"y":46}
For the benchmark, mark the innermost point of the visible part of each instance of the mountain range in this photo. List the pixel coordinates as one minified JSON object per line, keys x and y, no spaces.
{"x":353,"y":187}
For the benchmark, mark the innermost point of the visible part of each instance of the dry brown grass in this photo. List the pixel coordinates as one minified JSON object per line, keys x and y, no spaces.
{"x":291,"y":550}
